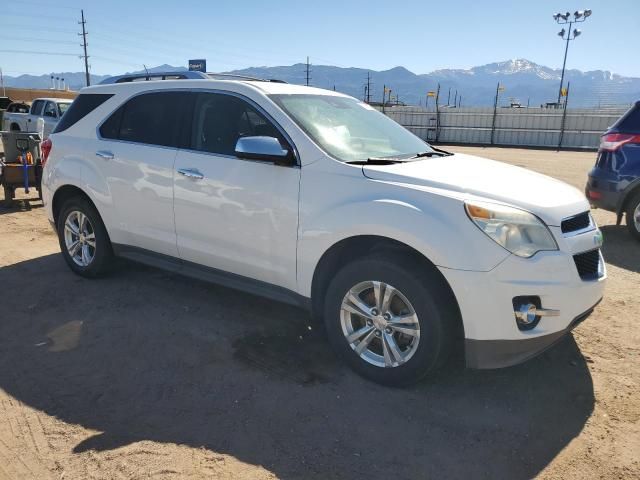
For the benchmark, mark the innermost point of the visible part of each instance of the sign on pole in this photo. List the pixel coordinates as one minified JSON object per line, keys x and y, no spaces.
{"x":198,"y":65}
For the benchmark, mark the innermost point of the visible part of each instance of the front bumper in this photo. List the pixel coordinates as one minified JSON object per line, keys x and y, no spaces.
{"x":485,"y":299}
{"x":505,"y":353}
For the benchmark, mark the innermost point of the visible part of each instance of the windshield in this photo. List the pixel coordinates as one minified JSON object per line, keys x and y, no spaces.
{"x":350,"y":130}
{"x":62,"y":107}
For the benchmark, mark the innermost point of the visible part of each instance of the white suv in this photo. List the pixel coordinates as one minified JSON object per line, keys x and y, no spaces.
{"x":313,"y":197}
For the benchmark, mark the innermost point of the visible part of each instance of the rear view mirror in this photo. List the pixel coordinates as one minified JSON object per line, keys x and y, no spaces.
{"x":263,"y":148}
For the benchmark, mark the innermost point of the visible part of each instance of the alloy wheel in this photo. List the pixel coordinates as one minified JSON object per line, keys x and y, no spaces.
{"x":380,"y":324}
{"x":79,"y":238}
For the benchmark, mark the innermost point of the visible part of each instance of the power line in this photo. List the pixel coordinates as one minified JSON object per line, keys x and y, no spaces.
{"x":39,"y":28}
{"x":55,"y":5}
{"x":46,"y":40}
{"x":30,"y":15}
{"x":33,"y":52}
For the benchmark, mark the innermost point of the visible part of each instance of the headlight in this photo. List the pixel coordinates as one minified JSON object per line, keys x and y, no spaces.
{"x":520,"y":232}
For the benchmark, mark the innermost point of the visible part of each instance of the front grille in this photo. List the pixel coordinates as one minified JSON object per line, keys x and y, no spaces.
{"x":587,"y":264}
{"x":577,"y":222}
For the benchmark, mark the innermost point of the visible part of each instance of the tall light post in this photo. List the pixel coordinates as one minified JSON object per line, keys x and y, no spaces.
{"x":563,"y":19}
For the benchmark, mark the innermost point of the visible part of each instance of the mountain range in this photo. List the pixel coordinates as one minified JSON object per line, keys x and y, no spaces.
{"x":523,"y":81}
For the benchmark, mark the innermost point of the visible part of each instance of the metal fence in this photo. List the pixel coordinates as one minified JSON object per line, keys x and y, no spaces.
{"x":533,"y":127}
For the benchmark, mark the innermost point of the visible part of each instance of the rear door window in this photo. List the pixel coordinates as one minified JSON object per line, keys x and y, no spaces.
{"x":152,"y":118}
{"x":83,"y":105}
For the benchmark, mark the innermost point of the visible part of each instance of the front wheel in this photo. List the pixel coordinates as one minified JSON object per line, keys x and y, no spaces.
{"x":390,"y":320}
{"x":633,"y":216}
{"x":83,"y":238}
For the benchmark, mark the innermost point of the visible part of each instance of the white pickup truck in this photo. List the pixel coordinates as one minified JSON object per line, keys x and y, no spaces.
{"x":49,"y":109}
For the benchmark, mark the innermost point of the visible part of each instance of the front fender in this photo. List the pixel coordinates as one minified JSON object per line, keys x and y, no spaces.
{"x":434,"y":225}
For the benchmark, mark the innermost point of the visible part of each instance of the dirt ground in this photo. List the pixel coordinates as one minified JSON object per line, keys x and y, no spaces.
{"x":146,"y":374}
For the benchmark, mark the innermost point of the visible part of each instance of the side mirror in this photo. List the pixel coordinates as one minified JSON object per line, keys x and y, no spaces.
{"x":263,"y":148}
{"x":49,"y":114}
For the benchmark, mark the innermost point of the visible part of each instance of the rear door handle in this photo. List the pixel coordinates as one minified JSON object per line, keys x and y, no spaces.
{"x":191,"y":173}
{"x":104,"y":155}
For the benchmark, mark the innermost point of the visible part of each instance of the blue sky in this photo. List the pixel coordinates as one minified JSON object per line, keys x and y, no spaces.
{"x":420,"y":35}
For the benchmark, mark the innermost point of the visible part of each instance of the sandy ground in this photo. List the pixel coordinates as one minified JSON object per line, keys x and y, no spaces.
{"x":145,"y":374}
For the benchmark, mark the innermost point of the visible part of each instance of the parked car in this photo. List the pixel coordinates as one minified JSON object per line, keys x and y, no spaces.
{"x":614,"y":181}
{"x":50,"y":109}
{"x":312,"y":197}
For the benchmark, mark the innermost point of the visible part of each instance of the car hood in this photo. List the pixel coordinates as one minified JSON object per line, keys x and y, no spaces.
{"x":546,"y":197}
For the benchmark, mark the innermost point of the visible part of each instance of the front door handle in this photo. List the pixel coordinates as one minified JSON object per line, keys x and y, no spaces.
{"x":104,"y":155}
{"x":191,"y":173}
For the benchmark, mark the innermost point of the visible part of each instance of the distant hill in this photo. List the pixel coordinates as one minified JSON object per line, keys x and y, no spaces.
{"x":523,"y":81}
{"x":74,"y":80}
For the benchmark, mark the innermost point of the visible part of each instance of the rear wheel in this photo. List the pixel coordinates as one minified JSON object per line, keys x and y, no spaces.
{"x":83,"y":238}
{"x":391,"y":322}
{"x":633,"y":216}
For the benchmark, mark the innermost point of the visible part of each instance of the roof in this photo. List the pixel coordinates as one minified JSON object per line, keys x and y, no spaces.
{"x":266,"y":87}
{"x":53,"y":99}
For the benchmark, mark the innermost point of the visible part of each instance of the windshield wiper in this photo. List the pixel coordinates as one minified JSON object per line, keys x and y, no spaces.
{"x":377,"y":161}
{"x":436,"y":152}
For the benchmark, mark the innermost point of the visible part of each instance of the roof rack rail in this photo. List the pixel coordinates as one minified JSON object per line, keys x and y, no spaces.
{"x":181,"y":75}
{"x":137,"y":77}
{"x":231,"y":76}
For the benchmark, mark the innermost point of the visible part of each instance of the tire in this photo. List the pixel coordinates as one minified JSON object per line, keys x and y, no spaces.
{"x":633,"y":216}
{"x":99,"y":257}
{"x":428,"y":296}
{"x":15,"y":127}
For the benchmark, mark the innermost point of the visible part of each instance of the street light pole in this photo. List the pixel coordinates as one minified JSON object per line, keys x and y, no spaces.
{"x":563,"y":19}
{"x":564,"y":63}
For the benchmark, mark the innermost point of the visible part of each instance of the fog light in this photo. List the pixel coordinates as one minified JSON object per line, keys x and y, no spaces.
{"x":528,"y":311}
{"x":526,"y":314}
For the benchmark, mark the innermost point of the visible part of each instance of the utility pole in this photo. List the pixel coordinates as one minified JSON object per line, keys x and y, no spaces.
{"x":564,"y":117}
{"x":495,"y":112}
{"x":437,"y":113}
{"x":459,"y":101}
{"x":84,"y":46}
{"x":449,"y":96}
{"x":368,"y":90}
{"x":4,"y":92}
{"x":455,"y":100}
{"x":308,"y":71}
{"x":384,"y":96}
